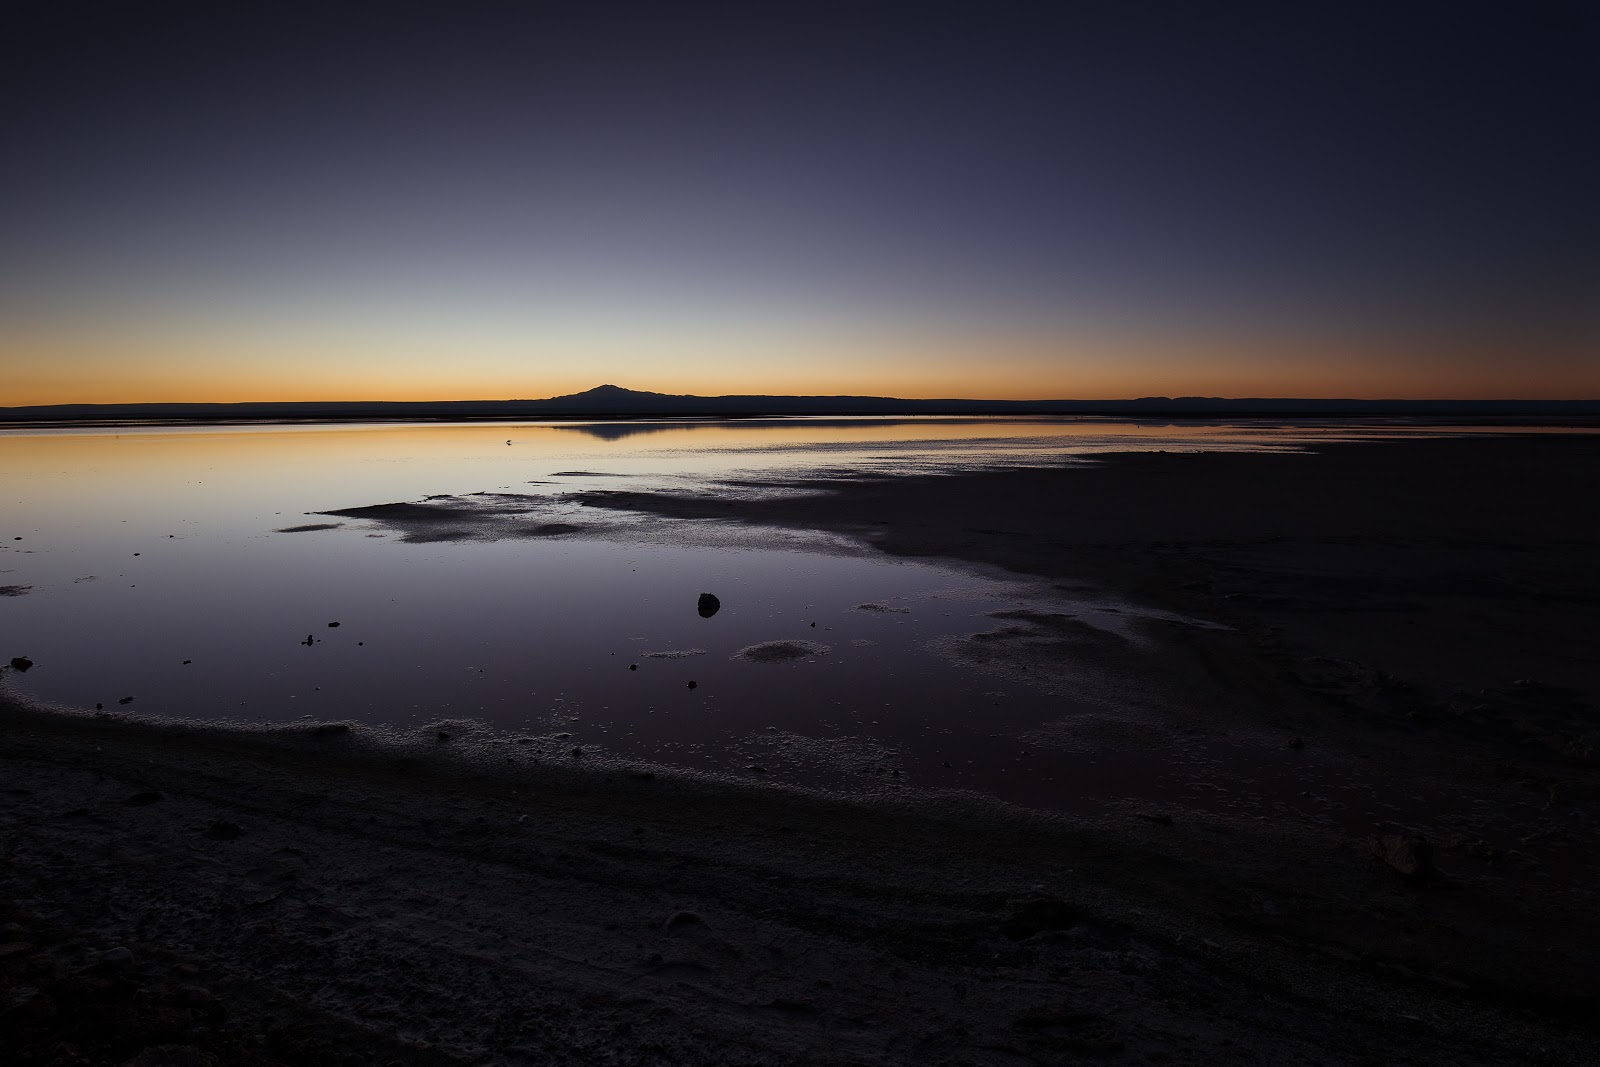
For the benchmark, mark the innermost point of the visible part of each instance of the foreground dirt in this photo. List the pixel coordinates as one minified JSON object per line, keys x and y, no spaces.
{"x":185,"y":896}
{"x":293,"y":898}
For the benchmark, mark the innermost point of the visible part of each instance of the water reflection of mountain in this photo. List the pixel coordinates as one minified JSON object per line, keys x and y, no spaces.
{"x":616,"y":431}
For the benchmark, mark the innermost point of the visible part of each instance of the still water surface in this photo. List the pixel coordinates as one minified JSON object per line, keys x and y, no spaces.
{"x":162,"y":564}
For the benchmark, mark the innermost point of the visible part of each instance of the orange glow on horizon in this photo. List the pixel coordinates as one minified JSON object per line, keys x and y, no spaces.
{"x":40,"y":374}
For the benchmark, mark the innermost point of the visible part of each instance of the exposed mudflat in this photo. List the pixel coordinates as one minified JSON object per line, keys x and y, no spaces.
{"x":1421,"y":614}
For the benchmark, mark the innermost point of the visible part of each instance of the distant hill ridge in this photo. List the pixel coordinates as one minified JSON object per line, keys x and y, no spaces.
{"x":614,"y":401}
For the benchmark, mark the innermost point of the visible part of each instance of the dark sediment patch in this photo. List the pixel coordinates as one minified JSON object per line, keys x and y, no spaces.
{"x":781,"y":651}
{"x":406,"y":513}
{"x":15,"y":590}
{"x":550,"y":529}
{"x":309,"y":527}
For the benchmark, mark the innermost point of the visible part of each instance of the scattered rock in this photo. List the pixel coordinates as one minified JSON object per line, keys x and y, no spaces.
{"x":694,"y":685}
{"x":1036,"y":915}
{"x":20,"y":663}
{"x":679,"y":919}
{"x":139,"y":800}
{"x":331,"y":625}
{"x":1410,"y":854}
{"x":633,"y":666}
{"x":708,"y":605}
{"x":577,"y":753}
{"x":444,"y":735}
{"x":124,"y":700}
{"x":309,"y":641}
{"x":757,"y":768}
{"x":187,"y":662}
{"x":117,"y":958}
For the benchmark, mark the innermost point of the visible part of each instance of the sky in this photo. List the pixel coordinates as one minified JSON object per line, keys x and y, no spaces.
{"x":210,"y":202}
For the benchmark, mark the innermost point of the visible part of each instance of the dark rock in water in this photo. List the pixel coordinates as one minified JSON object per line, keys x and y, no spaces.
{"x":577,"y":753}
{"x":308,"y":641}
{"x":1410,"y":854}
{"x":1297,"y":743}
{"x":1036,"y":915}
{"x":222,"y":830}
{"x":187,"y":662}
{"x":708,"y":605}
{"x":20,"y":663}
{"x":331,"y":625}
{"x":694,"y":685}
{"x":99,"y":707}
{"x":757,"y":768}
{"x":444,"y":735}
{"x":125,"y":700}
{"x":139,"y":800}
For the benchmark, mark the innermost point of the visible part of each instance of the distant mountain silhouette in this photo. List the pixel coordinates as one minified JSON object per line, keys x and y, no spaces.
{"x":612,"y":401}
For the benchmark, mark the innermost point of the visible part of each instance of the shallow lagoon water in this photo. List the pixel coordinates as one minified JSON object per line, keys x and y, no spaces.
{"x":153,"y":562}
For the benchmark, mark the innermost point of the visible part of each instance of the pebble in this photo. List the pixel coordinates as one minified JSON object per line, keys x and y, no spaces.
{"x":117,"y":957}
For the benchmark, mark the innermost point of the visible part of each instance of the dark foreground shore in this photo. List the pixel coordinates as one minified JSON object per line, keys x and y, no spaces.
{"x":1425,"y":609}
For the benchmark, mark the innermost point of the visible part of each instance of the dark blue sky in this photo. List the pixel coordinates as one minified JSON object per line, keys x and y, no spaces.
{"x":453,"y":200}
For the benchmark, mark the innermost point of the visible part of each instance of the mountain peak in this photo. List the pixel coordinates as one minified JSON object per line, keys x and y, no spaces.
{"x":609,"y":391}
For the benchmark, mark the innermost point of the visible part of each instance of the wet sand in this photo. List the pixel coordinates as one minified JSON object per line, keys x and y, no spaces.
{"x":1421,"y":611}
